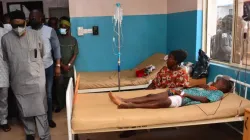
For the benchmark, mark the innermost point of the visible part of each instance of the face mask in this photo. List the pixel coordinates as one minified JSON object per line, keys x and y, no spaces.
{"x":63,"y":31}
{"x":20,"y":30}
{"x":7,"y":27}
{"x":35,"y":24}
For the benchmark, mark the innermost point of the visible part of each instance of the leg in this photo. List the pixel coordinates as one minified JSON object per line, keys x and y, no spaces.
{"x":165,"y":103}
{"x":13,"y":111}
{"x":61,"y":95}
{"x":4,"y":109}
{"x":29,"y":126}
{"x":49,"y":84}
{"x":43,"y":127}
{"x":65,"y":83}
{"x":138,"y":100}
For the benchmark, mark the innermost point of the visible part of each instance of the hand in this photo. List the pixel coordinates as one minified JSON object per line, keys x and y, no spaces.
{"x":177,"y":92}
{"x":203,"y":86}
{"x":57,"y":71}
{"x":186,"y":87}
{"x":151,"y":86}
{"x":65,"y":68}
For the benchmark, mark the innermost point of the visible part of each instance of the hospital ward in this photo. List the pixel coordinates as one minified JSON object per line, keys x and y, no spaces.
{"x":124,"y":69}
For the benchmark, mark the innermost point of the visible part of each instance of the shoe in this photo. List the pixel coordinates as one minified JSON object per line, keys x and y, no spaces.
{"x":30,"y":137}
{"x":58,"y":109}
{"x":127,"y":134}
{"x":5,"y":127}
{"x":52,"y":124}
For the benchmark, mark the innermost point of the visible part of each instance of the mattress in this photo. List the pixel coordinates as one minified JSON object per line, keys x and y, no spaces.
{"x":95,"y":111}
{"x":94,"y":80}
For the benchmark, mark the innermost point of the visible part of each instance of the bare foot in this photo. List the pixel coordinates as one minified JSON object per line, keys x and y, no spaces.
{"x":116,"y":100}
{"x":126,"y":106}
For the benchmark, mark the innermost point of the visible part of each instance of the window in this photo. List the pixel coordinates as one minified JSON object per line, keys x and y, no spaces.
{"x":223,"y":38}
{"x":26,"y":7}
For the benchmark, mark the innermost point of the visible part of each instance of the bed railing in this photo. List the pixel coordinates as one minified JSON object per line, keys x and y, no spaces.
{"x":74,"y":73}
{"x":69,"y":106}
{"x":71,"y":97}
{"x":235,"y":83}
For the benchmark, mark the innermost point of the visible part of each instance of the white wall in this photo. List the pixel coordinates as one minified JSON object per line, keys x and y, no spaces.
{"x":46,"y":4}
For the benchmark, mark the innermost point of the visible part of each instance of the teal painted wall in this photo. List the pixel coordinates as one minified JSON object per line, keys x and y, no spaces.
{"x":184,"y":31}
{"x":142,"y":36}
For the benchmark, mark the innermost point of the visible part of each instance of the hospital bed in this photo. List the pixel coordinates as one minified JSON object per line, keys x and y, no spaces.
{"x":108,"y":81}
{"x":93,"y":113}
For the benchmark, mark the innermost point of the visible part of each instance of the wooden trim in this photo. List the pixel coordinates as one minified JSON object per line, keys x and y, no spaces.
{"x":76,"y":88}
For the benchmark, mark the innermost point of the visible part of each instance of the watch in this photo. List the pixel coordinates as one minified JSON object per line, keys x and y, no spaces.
{"x":58,"y":65}
{"x":182,"y":93}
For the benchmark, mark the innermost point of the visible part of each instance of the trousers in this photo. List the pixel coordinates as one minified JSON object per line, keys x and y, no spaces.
{"x":61,"y":87}
{"x":3,"y":105}
{"x":49,"y":84}
{"x":39,"y":122}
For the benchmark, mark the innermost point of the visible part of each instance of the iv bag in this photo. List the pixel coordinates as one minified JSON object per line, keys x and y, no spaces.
{"x":118,"y":14}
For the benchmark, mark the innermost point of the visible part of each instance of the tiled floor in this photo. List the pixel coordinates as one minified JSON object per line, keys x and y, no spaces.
{"x":205,"y":132}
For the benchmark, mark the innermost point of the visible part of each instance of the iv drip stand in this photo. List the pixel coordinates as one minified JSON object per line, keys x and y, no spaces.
{"x":119,"y":49}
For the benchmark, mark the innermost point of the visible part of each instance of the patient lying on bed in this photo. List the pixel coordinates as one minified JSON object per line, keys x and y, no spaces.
{"x":189,"y":96}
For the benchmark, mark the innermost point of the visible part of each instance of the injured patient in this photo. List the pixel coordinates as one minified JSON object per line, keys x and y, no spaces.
{"x":176,"y":98}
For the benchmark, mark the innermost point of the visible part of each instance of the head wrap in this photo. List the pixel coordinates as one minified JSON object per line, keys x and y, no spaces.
{"x":179,"y":55}
{"x":17,"y":15}
{"x":65,"y":22}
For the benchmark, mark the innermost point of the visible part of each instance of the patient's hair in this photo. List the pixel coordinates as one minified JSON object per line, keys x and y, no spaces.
{"x":227,"y":85}
{"x":179,"y":55}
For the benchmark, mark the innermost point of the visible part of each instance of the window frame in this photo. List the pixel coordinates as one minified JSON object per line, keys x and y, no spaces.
{"x":204,"y":38}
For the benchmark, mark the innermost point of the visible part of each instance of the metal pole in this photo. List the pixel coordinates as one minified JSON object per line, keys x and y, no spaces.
{"x":119,"y":50}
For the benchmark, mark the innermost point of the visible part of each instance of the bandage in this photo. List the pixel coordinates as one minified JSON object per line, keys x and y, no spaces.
{"x":176,"y":101}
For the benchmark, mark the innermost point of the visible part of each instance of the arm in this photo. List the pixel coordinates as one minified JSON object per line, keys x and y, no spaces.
{"x":151,"y":86}
{"x":182,"y":79}
{"x":200,"y":86}
{"x":56,"y":50}
{"x":4,"y":51}
{"x":197,"y":98}
{"x":76,"y":51}
{"x":157,"y":81}
{"x":226,"y":40}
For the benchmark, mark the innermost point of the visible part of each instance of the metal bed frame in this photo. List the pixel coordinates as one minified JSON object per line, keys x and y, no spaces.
{"x":112,"y":88}
{"x":72,"y":135}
